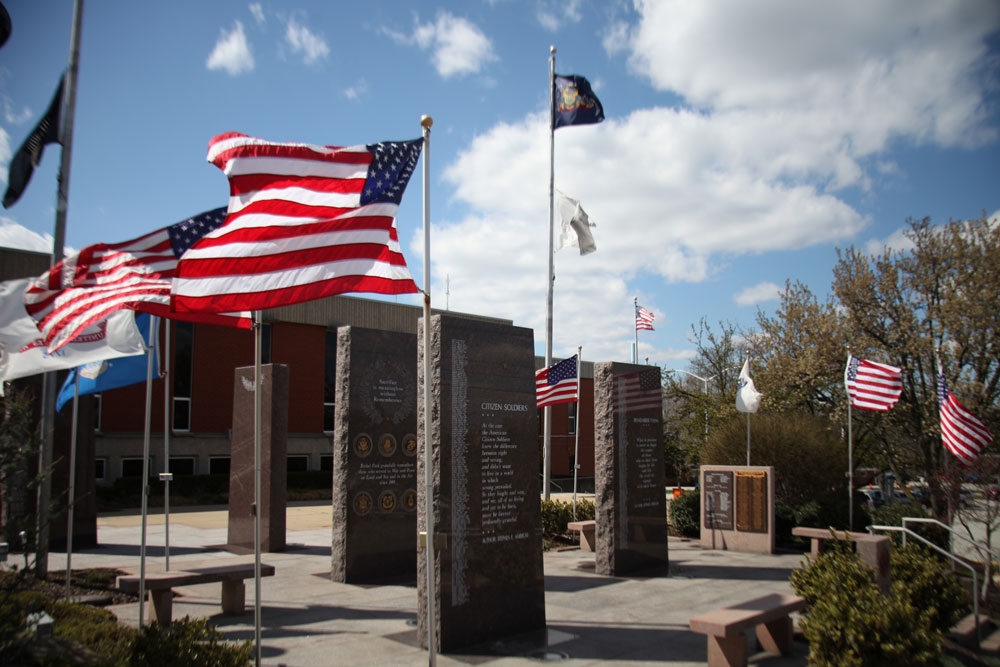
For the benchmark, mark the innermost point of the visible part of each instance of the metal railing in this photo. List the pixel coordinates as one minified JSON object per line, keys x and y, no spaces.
{"x":954,"y":559}
{"x":977,"y":545}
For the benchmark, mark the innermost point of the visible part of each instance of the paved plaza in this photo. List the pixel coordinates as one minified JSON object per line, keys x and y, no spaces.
{"x":309,"y":620}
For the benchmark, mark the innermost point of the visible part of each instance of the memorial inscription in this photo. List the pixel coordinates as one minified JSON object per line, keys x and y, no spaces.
{"x":719,"y":499}
{"x":751,"y":494}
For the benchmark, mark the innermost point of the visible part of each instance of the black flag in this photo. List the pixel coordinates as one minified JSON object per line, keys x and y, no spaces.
{"x":30,"y":152}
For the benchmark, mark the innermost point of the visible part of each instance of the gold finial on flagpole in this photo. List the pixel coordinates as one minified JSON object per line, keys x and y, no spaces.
{"x":552,"y":50}
{"x":426,"y":121}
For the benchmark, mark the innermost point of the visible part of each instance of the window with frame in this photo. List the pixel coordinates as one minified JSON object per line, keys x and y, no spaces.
{"x":101,"y":469}
{"x":571,"y":427}
{"x":218,"y":465}
{"x":329,"y":380}
{"x":132,"y":466}
{"x":183,"y":375}
{"x":182,"y":465}
{"x":297,"y":463}
{"x":326,"y":462}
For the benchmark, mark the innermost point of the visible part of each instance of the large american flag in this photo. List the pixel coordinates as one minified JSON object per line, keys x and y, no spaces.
{"x":871,"y":385}
{"x":305,"y":222}
{"x":87,"y":287}
{"x":637,"y":391}
{"x":557,"y":383}
{"x":643,"y":319}
{"x":962,"y":432}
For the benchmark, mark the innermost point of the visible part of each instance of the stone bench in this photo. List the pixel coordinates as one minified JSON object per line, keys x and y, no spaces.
{"x":820,"y":535}
{"x":725,"y":628}
{"x":588,"y":533}
{"x":160,"y":584}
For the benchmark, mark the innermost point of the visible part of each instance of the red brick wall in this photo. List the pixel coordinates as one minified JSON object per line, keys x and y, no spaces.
{"x":302,"y":347}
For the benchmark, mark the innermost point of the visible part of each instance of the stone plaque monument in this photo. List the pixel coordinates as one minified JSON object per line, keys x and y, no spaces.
{"x":375,"y":456}
{"x":274,"y":445}
{"x":629,"y":481}
{"x":737,"y":508}
{"x":488,"y":573}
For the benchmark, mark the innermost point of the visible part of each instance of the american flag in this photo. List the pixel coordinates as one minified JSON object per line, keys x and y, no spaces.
{"x":643,"y":319}
{"x":87,"y":287}
{"x":557,"y":383}
{"x":305,"y":222}
{"x":871,"y":385}
{"x":637,"y":391}
{"x":963,"y":433}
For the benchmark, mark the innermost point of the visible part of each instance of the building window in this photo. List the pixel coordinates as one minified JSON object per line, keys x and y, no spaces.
{"x":265,"y":344}
{"x":572,"y":418}
{"x":101,"y":469}
{"x":97,"y":415}
{"x":297,"y":463}
{"x":182,"y":465}
{"x":326,"y":461}
{"x":183,"y":375}
{"x":218,"y":465}
{"x":132,"y":467}
{"x":329,"y":380}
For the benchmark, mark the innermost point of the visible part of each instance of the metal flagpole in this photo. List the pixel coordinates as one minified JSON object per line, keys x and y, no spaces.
{"x":153,"y":322}
{"x":579,"y":402}
{"x":72,"y":483}
{"x":165,"y":476}
{"x":257,"y":407}
{"x":850,"y":454}
{"x":748,"y":419}
{"x":635,"y":327}
{"x":425,"y":124}
{"x":547,"y":410}
{"x":58,"y":239}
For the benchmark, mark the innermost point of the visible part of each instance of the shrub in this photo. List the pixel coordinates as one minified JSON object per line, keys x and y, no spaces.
{"x":685,"y":513}
{"x":892,"y":515}
{"x":849,"y":622}
{"x":557,"y":513}
{"x":187,"y":642}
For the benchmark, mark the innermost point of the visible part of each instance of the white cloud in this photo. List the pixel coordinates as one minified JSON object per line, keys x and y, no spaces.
{"x":258,"y":13}
{"x":551,"y":15}
{"x":232,"y":52}
{"x":358,"y":90}
{"x":14,"y":235}
{"x":897,"y":241}
{"x":458,"y":47}
{"x":755,"y":294}
{"x":615,"y":38}
{"x":304,"y":41}
{"x":5,"y":154}
{"x":14,"y":117}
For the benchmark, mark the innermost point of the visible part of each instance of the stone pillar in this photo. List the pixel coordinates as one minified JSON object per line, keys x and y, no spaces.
{"x":629,"y":478}
{"x":274,"y":436}
{"x":375,"y":456}
{"x":873,"y":550}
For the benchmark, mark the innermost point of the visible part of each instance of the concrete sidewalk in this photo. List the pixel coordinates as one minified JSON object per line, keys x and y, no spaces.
{"x":309,"y":620}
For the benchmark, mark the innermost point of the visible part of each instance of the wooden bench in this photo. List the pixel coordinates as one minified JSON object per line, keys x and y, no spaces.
{"x":159,"y":584}
{"x":769,"y":615}
{"x":820,"y":535}
{"x":588,"y":533}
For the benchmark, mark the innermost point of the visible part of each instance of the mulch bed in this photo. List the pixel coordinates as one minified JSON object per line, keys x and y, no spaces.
{"x":94,"y":585}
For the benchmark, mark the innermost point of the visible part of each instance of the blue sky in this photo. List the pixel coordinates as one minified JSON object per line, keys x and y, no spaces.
{"x":744,"y":142}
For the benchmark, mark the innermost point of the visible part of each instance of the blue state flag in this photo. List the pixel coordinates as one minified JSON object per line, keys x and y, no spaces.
{"x":101,"y":376}
{"x":574,"y":103}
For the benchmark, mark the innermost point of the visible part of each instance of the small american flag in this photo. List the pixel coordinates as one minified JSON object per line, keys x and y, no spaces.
{"x":962,"y":432}
{"x":637,"y":391}
{"x":643,"y":319}
{"x":871,"y":385}
{"x":557,"y":383}
{"x":87,"y":287}
{"x":305,"y":222}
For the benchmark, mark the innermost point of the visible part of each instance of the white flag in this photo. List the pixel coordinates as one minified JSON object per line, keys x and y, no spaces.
{"x":574,"y":226}
{"x":747,"y":396}
{"x":23,"y":351}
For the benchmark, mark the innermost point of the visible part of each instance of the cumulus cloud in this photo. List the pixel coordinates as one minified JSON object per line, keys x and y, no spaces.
{"x":303,"y":41}
{"x":458,"y":47}
{"x":552,"y":14}
{"x":258,"y":13}
{"x":897,"y":241}
{"x":5,"y":154}
{"x":784,"y":108}
{"x":358,"y":90}
{"x":15,"y":117}
{"x":14,"y":235}
{"x":232,"y":52}
{"x":765,"y":291}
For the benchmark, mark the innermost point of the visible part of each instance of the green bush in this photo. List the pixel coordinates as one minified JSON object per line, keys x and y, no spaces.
{"x":187,"y":642}
{"x":685,"y":513}
{"x":892,"y":515}
{"x":557,"y":513}
{"x":848,"y":621}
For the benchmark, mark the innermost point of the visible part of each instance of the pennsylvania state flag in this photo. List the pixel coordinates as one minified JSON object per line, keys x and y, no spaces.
{"x":574,"y":103}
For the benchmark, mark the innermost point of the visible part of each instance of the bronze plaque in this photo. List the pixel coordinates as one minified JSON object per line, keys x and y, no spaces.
{"x":751,"y":501}
{"x":718,"y":499}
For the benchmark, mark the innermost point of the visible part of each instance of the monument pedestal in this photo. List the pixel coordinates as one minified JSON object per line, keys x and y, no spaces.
{"x":274,"y":437}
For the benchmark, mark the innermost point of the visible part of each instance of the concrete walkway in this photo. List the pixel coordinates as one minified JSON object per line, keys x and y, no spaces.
{"x":309,"y":620}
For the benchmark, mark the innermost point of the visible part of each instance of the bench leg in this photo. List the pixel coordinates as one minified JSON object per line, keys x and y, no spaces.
{"x":161,"y":603}
{"x":776,"y":636}
{"x":817,"y":547}
{"x":587,"y":539}
{"x":234,"y":594}
{"x":727,"y":651}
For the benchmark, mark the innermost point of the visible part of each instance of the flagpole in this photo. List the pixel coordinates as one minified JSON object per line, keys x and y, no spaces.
{"x":547,"y":410}
{"x":257,"y":409}
{"x":635,"y":328}
{"x":58,"y":240}
{"x":748,"y":419}
{"x":579,"y":404}
{"x":166,"y":476}
{"x":425,"y":124}
{"x":153,"y":322}
{"x":850,"y":454}
{"x":72,"y":483}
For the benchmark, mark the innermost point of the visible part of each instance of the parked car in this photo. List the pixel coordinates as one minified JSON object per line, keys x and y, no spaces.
{"x":871,"y":497}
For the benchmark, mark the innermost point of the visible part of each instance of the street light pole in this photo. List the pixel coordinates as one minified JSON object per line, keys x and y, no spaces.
{"x":704,"y":389}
